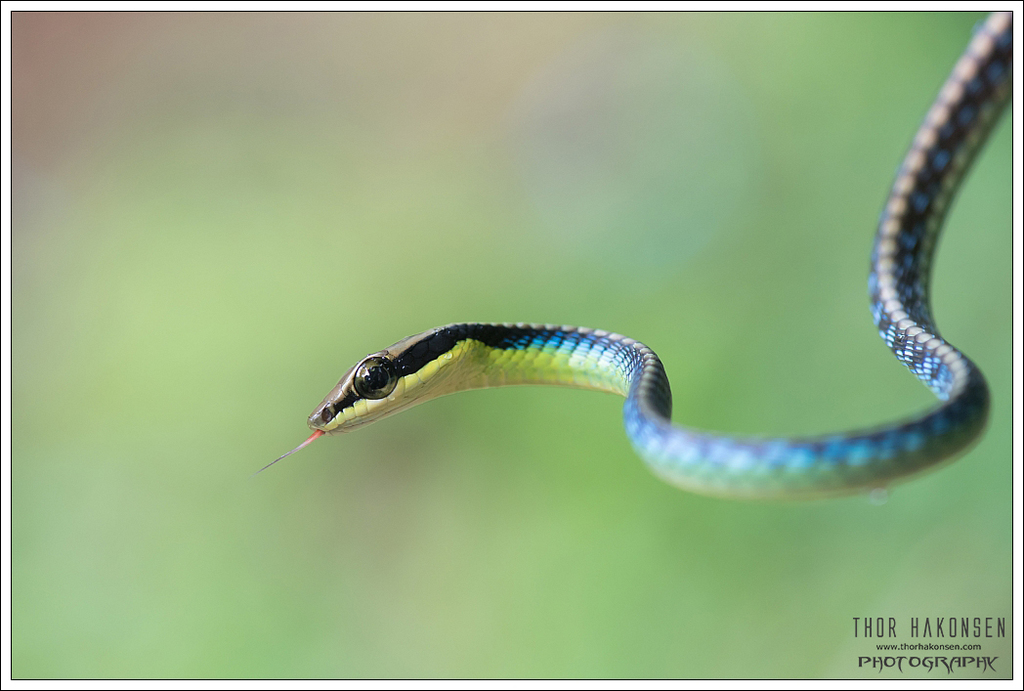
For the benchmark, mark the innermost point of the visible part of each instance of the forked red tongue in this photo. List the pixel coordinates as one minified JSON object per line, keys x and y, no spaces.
{"x":316,"y":434}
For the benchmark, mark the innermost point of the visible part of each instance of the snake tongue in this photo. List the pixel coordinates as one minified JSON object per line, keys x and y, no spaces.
{"x":317,"y":434}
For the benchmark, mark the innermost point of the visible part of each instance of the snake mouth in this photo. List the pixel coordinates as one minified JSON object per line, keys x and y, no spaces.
{"x":328,"y":419}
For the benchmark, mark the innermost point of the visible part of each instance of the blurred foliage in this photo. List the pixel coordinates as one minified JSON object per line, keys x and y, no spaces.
{"x":215,"y":215}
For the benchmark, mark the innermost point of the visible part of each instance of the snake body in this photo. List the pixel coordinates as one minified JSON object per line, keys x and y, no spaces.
{"x":458,"y":357}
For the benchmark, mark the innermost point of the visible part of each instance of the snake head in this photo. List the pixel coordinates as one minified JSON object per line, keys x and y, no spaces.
{"x":366,"y":392}
{"x":414,"y":370}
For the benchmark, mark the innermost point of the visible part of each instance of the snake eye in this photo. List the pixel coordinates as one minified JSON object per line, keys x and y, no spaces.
{"x":375,"y":378}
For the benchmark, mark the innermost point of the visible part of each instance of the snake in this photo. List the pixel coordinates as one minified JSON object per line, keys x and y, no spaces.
{"x":460,"y":357}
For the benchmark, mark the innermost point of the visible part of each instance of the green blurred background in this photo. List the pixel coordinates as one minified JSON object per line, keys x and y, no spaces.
{"x":215,"y":215}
